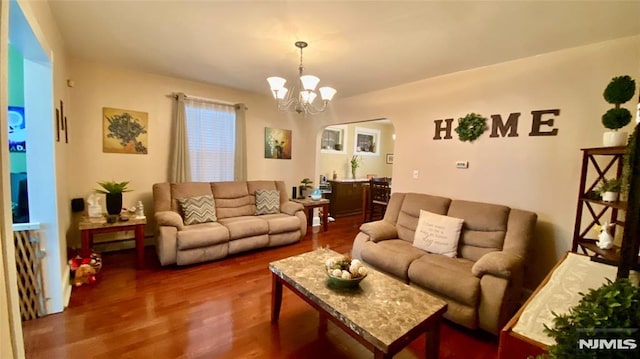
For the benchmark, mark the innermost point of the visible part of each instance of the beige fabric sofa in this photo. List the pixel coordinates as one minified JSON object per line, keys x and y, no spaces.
{"x":237,"y":229}
{"x":483,"y":284}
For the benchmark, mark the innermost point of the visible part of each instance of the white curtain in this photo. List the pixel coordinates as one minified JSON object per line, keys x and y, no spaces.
{"x":180,"y":169}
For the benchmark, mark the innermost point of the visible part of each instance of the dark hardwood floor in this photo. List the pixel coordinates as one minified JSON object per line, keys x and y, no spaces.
{"x":212,"y":310}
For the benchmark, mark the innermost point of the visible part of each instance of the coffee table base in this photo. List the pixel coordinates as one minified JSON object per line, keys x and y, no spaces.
{"x":431,"y":329}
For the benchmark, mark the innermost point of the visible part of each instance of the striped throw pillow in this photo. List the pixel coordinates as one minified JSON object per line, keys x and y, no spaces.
{"x":267,"y":201}
{"x":199,"y":209}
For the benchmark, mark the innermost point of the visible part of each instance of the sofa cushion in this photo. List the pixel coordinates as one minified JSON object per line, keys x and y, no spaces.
{"x":202,"y":235}
{"x":450,"y":277}
{"x":438,"y":234}
{"x":392,"y":256}
{"x":267,"y":201}
{"x":410,"y":212}
{"x":187,"y":189}
{"x":485,"y":226}
{"x":199,"y":209}
{"x":245,"y":226}
{"x":233,"y":199}
{"x":281,"y":223}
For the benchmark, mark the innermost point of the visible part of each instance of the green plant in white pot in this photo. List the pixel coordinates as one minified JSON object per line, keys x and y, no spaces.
{"x":617,"y":92}
{"x":609,"y":190}
{"x":113,"y":193}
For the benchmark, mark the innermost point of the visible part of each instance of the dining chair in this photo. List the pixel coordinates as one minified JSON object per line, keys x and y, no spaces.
{"x":380,"y":192}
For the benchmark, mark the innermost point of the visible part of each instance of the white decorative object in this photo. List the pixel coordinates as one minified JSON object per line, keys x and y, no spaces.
{"x":438,"y":234}
{"x":93,"y":208}
{"x":614,"y":138}
{"x":605,"y":239}
{"x":140,"y":210}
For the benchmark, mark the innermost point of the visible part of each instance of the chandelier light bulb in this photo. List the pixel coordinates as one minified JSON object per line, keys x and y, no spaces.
{"x":276,"y":83}
{"x":327,"y":93}
{"x":309,"y":82}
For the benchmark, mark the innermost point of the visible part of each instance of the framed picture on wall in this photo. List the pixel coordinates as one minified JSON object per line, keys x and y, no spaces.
{"x":277,"y":143}
{"x":389,"y":158}
{"x":124,"y":131}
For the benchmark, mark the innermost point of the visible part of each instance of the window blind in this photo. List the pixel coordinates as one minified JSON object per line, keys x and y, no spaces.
{"x":211,"y":135}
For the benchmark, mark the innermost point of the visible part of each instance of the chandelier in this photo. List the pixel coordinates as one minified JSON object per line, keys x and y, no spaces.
{"x":303,"y":103}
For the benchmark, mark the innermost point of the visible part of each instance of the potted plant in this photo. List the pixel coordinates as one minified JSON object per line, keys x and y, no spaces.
{"x":609,"y":313}
{"x":306,"y":188}
{"x":113,"y":193}
{"x":610,"y":189}
{"x":619,"y":91}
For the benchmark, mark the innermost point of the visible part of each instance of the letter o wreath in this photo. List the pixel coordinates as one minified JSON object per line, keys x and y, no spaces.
{"x":470,"y":127}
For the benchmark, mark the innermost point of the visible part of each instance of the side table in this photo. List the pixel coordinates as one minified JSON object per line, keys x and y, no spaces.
{"x":309,"y":204}
{"x":90,"y":226}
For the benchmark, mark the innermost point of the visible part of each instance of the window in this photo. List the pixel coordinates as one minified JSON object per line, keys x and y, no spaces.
{"x":211,"y":132}
{"x":367,"y":142}
{"x":333,"y":139}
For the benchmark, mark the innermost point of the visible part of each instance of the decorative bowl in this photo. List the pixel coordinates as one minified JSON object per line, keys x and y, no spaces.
{"x":344,"y":283}
{"x":343,"y":272}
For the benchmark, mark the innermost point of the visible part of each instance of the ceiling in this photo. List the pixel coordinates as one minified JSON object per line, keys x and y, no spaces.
{"x":354,"y":46}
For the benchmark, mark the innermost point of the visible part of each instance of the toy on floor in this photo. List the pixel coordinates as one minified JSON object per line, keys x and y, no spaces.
{"x":84,"y":270}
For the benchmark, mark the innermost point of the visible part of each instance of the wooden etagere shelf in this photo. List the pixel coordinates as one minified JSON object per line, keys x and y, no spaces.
{"x":607,"y":163}
{"x":601,"y":163}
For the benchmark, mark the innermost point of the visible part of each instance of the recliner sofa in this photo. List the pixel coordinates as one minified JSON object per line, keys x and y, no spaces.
{"x":237,"y":227}
{"x":483,"y":284}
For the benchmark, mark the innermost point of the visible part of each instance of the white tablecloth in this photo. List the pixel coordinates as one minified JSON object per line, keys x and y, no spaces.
{"x":575,"y":274}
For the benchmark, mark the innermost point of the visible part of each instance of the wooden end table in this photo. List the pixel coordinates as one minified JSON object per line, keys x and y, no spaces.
{"x":309,"y":204}
{"x":90,"y":226}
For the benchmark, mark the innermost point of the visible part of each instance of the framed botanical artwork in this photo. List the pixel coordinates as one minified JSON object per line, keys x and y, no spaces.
{"x":389,"y":159}
{"x":124,"y":131}
{"x":277,"y":143}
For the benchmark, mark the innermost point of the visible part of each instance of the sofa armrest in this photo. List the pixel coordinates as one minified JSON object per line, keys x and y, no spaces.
{"x":379,"y":230}
{"x":169,"y":218}
{"x":291,"y":208}
{"x":499,"y":264}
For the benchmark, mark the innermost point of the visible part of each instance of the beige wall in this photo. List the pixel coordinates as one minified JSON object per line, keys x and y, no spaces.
{"x":340,"y":162}
{"x":98,"y":86}
{"x":535,"y":173}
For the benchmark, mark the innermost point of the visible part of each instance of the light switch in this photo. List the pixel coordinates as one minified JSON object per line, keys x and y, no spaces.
{"x":416,"y":174}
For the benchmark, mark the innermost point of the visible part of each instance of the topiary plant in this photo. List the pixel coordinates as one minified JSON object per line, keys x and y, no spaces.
{"x":616,"y":118}
{"x":618,"y":91}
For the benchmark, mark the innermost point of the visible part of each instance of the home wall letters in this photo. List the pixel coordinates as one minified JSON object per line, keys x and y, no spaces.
{"x":541,"y":125}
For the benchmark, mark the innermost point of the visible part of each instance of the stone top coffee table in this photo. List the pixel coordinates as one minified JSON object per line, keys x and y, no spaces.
{"x":383,"y":313}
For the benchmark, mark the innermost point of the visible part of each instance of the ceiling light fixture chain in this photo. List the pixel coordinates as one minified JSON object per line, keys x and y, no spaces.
{"x":303,"y":103}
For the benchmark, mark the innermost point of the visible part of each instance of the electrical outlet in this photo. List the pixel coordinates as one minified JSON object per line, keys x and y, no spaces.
{"x":416,"y":174}
{"x":462,"y":164}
